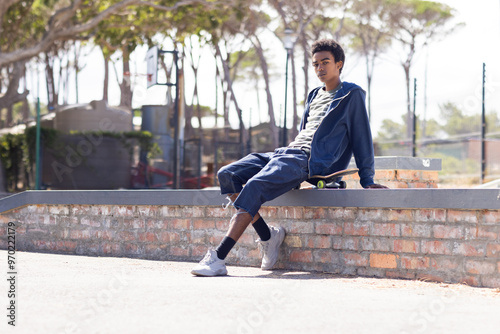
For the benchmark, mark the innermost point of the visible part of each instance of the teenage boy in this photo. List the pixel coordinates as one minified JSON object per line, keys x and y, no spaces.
{"x":334,"y":127}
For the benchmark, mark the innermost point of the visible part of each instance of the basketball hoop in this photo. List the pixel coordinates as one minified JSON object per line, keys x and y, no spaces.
{"x":152,"y":66}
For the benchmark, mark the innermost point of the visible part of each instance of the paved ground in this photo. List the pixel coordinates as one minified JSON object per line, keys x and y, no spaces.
{"x":76,"y":294}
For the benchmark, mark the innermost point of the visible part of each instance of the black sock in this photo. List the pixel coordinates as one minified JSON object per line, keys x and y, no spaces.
{"x":225,"y":247}
{"x":262,"y":229}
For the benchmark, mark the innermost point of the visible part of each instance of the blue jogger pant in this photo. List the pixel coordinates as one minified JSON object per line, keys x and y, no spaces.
{"x":261,"y":177}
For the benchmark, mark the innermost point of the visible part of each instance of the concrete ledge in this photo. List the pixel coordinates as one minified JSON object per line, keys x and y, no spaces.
{"x":361,"y":198}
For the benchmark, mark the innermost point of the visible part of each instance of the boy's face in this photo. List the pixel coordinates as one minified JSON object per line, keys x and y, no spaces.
{"x":327,"y":70}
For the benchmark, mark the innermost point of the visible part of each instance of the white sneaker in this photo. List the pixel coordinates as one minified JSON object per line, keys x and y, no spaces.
{"x":270,"y":248}
{"x":210,"y":265}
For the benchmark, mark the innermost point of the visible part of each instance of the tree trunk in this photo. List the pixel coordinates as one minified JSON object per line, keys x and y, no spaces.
{"x":12,"y":96}
{"x":265,"y":70}
{"x":105,"y":88}
{"x":52,"y":97}
{"x":126,"y":85}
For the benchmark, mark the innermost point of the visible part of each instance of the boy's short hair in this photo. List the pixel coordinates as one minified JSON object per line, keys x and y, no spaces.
{"x":331,"y":46}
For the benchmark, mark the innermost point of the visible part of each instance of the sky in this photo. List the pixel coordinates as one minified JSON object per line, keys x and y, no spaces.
{"x":448,"y":70}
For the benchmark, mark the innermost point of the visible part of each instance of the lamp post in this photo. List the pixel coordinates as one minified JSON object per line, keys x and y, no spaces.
{"x":288,"y":44}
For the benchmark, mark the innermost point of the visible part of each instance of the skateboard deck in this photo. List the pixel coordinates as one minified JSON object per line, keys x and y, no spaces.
{"x":329,"y":181}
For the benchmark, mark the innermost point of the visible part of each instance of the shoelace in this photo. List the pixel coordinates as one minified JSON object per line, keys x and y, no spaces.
{"x":229,"y":202}
{"x":208,"y":259}
{"x":263,"y":247}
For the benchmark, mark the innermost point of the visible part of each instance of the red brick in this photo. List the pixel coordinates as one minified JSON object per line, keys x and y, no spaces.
{"x":217,"y":212}
{"x":66,"y":246}
{"x":326,"y":256}
{"x":415,"y":262}
{"x":111,"y":248}
{"x":201,"y":224}
{"x":310,"y":213}
{"x":396,"y":184}
{"x":130,"y":249}
{"x":447,"y":232}
{"x":399,"y":274}
{"x":376,"y":244}
{"x":491,"y":282}
{"x":180,"y":224}
{"x":371,"y":214}
{"x":126,"y":236}
{"x":407,"y":174}
{"x":402,"y":215}
{"x":134,"y":223}
{"x":429,"y":175}
{"x":480,"y":267}
{"x":124,"y":211}
{"x":383,"y":261}
{"x":79,"y":234}
{"x":177,"y":251}
{"x":448,"y":263}
{"x":222,"y":225}
{"x":362,"y":229}
{"x":148,"y":237}
{"x":147,"y":210}
{"x":385,"y":174}
{"x":491,"y":216}
{"x":406,"y":246}
{"x":295,"y":241}
{"x":164,"y":237}
{"x":436,"y":247}
{"x":287,"y":212}
{"x":200,"y":250}
{"x":319,"y":241}
{"x":349,"y":243}
{"x":416,"y":230}
{"x":191,"y":211}
{"x":48,"y":220}
{"x":104,"y":235}
{"x":300,"y":227}
{"x":469,"y":249}
{"x":493,"y":250}
{"x":301,"y":256}
{"x":386,"y":229}
{"x":329,"y":228}
{"x":342,"y":214}
{"x":430,"y":215}
{"x":155,"y":224}
{"x":462,"y":216}
{"x":171,"y":211}
{"x":481,"y":232}
{"x":355,"y":259}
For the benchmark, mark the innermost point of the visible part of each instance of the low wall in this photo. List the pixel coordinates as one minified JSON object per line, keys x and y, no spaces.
{"x":449,"y":235}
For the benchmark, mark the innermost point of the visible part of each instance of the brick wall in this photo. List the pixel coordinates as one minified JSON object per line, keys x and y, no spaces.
{"x":450,"y":245}
{"x":399,"y":178}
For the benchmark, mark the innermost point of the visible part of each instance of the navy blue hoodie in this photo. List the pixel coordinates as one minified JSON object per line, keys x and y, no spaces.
{"x":344,"y":132}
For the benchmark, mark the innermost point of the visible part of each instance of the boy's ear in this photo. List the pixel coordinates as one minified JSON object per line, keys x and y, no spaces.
{"x":339,"y":64}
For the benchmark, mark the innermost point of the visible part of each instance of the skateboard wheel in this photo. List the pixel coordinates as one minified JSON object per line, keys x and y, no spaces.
{"x":320,"y":184}
{"x":342,"y":184}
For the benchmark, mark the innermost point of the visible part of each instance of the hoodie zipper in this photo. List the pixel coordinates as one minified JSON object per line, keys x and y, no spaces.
{"x":312,"y":140}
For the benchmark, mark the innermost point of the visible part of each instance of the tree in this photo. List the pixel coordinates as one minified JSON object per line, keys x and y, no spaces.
{"x":415,"y":24}
{"x":298,"y":15}
{"x":370,"y":35}
{"x":254,"y":23}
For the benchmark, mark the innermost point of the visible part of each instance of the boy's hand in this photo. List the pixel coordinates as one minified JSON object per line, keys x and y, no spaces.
{"x":376,"y":186}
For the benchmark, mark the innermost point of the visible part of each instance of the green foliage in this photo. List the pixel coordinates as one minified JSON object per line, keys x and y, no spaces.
{"x":13,"y":152}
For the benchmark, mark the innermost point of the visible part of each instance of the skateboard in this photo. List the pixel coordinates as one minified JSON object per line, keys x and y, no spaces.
{"x":329,"y":181}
